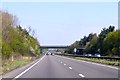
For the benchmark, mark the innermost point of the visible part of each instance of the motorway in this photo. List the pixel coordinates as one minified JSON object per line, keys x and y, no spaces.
{"x":61,"y":67}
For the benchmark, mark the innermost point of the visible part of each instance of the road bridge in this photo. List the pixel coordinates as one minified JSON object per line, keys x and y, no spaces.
{"x":60,"y":47}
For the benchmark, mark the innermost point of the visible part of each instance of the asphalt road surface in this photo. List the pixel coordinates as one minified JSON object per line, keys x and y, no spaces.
{"x":61,"y":67}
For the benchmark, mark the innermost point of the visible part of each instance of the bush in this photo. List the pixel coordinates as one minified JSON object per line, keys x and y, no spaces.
{"x":6,"y":50}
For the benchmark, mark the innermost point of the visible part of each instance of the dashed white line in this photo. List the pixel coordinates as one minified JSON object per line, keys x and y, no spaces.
{"x":60,"y":62}
{"x":70,"y":67}
{"x":91,"y":63}
{"x":64,"y":64}
{"x":81,"y":75}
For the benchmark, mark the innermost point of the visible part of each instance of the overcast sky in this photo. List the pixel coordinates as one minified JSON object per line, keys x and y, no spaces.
{"x":62,"y":23}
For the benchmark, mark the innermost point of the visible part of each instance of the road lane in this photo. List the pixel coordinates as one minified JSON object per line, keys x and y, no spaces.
{"x":89,"y":69}
{"x":50,"y":67}
{"x":62,"y":67}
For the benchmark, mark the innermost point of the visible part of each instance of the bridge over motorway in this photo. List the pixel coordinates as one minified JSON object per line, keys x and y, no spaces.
{"x":58,"y":46}
{"x":46,"y":47}
{"x":79,"y":50}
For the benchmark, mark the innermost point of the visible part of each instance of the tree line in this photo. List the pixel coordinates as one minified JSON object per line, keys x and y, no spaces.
{"x":107,"y":43}
{"x":16,"y":41}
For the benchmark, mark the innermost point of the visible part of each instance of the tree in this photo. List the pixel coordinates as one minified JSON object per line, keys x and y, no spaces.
{"x":90,"y":36}
{"x":72,"y":46}
{"x":91,"y":46}
{"x":83,"y":41}
{"x":15,"y":40}
{"x":102,"y":35}
{"x":111,"y":43}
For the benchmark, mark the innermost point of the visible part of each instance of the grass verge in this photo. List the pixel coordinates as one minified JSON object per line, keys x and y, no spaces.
{"x":8,"y":66}
{"x":102,"y":61}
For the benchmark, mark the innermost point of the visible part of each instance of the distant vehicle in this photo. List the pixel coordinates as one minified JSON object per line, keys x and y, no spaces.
{"x":52,"y":54}
{"x":97,"y":55}
{"x":58,"y":53}
{"x":47,"y":54}
{"x":89,"y":55}
{"x":85,"y":55}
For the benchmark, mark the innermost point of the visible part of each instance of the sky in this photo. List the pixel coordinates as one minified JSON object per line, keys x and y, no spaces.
{"x":62,"y":23}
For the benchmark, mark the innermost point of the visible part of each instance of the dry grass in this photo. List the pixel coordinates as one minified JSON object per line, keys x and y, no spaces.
{"x":8,"y":66}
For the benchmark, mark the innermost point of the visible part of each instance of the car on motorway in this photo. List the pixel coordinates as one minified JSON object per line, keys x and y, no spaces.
{"x":47,"y":53}
{"x":52,"y":54}
{"x":85,"y":55}
{"x":58,"y":52}
{"x":97,"y":55}
{"x":89,"y":55}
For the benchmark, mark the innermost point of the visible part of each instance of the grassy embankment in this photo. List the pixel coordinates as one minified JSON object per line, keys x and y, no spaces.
{"x":8,"y":66}
{"x":102,"y":61}
{"x":17,"y":43}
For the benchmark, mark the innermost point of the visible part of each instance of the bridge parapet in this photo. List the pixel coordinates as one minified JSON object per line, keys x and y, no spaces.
{"x":44,"y":47}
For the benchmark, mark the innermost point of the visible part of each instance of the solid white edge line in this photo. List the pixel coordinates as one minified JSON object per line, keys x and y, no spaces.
{"x":81,"y":75}
{"x":29,"y":68}
{"x":91,"y":63}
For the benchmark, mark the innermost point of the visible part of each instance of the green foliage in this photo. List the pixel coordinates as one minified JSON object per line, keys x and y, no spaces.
{"x":114,"y":51}
{"x":6,"y":51}
{"x":11,"y":65}
{"x":106,"y":43}
{"x":75,"y":44}
{"x":111,"y":42}
{"x":16,"y":40}
{"x":91,"y":47}
{"x":103,"y":61}
{"x":101,"y":36}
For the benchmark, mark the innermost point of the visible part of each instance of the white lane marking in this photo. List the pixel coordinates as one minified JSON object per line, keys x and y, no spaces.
{"x":64,"y":64}
{"x":60,"y":62}
{"x":90,"y":62}
{"x":29,"y":68}
{"x":70,"y":67}
{"x":81,"y":75}
{"x":105,"y":65}
{"x":112,"y":67}
{"x":82,"y":61}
